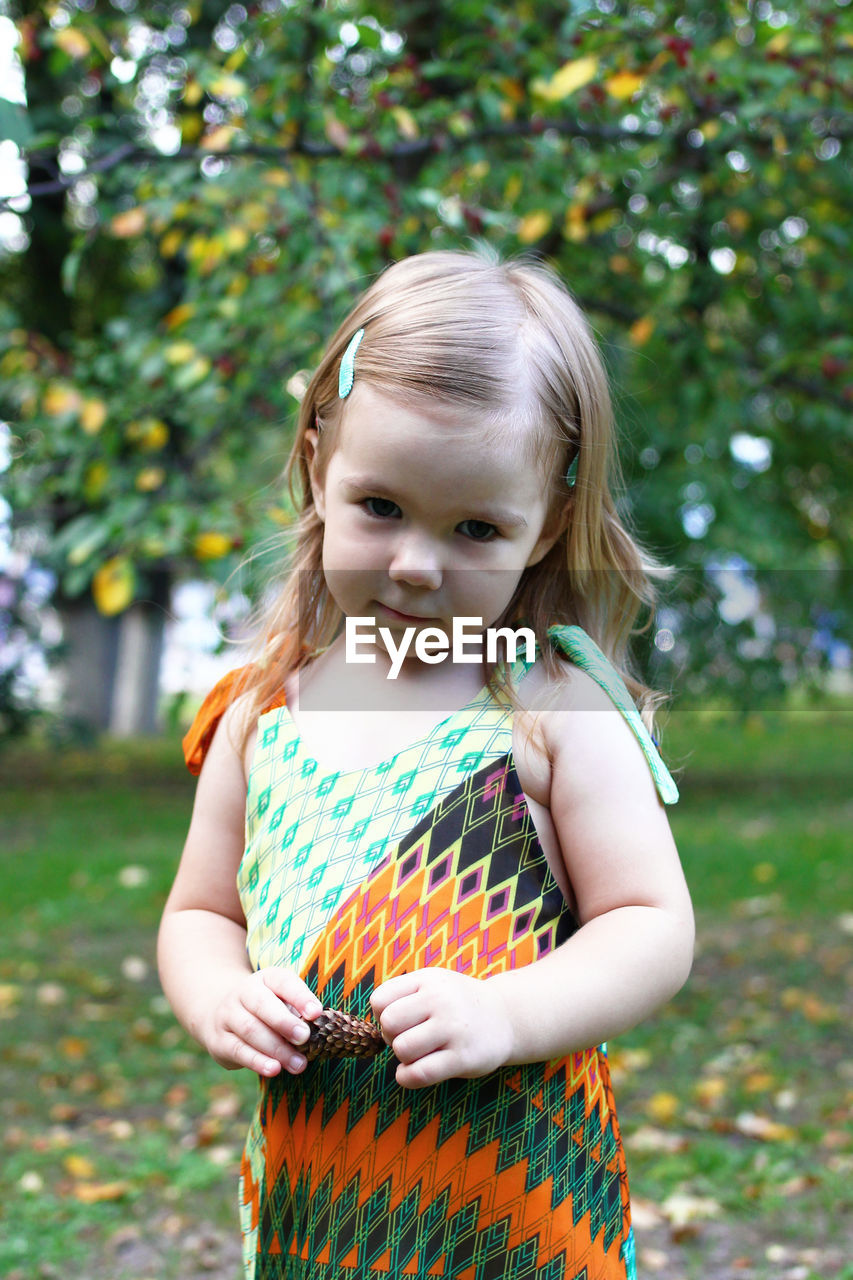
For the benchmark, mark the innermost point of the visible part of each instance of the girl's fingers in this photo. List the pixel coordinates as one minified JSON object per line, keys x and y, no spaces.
{"x":251,"y":1042}
{"x":269,"y":1009}
{"x":403,"y":1014}
{"x":418,"y":1042}
{"x":427,"y":1071}
{"x":290,"y":988}
{"x":394,"y":989}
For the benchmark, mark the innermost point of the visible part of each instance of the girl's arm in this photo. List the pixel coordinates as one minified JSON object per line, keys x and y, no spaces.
{"x":242,"y":1018}
{"x":635,"y":945}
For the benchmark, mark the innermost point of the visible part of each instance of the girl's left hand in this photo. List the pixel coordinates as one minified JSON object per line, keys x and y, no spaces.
{"x":442,"y":1024}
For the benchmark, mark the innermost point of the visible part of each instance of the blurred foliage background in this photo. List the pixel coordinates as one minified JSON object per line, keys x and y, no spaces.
{"x":197,"y":192}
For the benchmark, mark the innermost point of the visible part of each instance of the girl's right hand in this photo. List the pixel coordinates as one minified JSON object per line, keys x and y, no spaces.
{"x":261,"y":1023}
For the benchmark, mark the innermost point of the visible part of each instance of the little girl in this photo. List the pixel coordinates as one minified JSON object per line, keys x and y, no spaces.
{"x":472,"y":852}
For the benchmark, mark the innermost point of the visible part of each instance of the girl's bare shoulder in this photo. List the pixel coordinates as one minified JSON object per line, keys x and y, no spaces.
{"x":571,"y":721}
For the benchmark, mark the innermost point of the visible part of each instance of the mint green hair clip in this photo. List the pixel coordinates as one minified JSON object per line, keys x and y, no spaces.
{"x":347,"y":373}
{"x":572,"y":473}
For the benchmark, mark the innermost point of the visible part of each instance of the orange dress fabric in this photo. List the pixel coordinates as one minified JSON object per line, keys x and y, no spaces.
{"x":197,"y":740}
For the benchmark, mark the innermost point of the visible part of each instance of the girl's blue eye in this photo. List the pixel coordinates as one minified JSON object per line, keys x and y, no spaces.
{"x":477,"y":530}
{"x":382,"y":508}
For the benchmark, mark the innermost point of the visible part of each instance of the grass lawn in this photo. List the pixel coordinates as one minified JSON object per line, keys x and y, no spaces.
{"x":120,"y":1140}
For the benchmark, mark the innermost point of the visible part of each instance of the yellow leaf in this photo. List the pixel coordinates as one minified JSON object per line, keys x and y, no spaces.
{"x":171,"y":243}
{"x":178,"y":315}
{"x":513,"y":89}
{"x":779,"y":43}
{"x":759,"y":1082}
{"x":212,"y":545}
{"x":79,"y":1166}
{"x":10,"y":994}
{"x":762,"y":1128}
{"x":93,"y":415}
{"x":150,"y":479}
{"x":709,"y":1090}
{"x":72,"y":42}
{"x":60,"y":398}
{"x":152,"y":433}
{"x":95,"y":1192}
{"x":641,"y":330}
{"x":113,"y":586}
{"x":624,"y":84}
{"x":235,"y":239}
{"x":570,"y":77}
{"x":218,"y":139}
{"x":533,"y":226}
{"x":179,"y":353}
{"x":228,"y":86}
{"x":406,"y":123}
{"x":574,"y":226}
{"x":73,"y":1047}
{"x":662,"y":1107}
{"x":193,"y":93}
{"x":236,"y":59}
{"x":129,"y":223}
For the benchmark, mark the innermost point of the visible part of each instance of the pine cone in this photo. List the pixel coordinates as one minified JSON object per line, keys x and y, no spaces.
{"x":340,"y":1035}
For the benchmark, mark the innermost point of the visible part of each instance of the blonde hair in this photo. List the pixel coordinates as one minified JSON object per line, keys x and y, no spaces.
{"x":459,"y":330}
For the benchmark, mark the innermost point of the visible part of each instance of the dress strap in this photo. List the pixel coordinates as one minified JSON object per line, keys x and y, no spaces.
{"x":197,"y":740}
{"x":585,"y":653}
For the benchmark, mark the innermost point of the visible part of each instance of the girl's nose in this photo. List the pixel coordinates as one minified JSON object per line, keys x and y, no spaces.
{"x":416,"y":561}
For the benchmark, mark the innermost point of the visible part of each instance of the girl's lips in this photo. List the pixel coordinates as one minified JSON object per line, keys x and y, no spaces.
{"x":403,"y":617}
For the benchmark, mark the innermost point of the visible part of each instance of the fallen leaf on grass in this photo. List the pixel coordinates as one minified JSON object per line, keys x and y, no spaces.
{"x":710,"y":1090}
{"x":96,"y":1192}
{"x":10,"y":994}
{"x":684,"y":1211}
{"x":763,"y":1128}
{"x":131,"y":877}
{"x":50,"y":993}
{"x":79,"y":1166}
{"x":662,"y":1107}
{"x":648,"y":1138}
{"x":73,"y":1047}
{"x":645,"y":1214}
{"x":797,"y":1185}
{"x":134,"y":969}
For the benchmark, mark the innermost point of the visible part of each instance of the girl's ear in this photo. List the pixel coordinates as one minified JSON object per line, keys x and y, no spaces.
{"x":310,"y":444}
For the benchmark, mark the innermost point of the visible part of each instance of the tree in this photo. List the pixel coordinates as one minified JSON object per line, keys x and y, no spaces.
{"x":229,"y":180}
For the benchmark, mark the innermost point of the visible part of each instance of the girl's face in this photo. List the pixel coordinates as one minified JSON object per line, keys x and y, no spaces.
{"x":426,"y":517}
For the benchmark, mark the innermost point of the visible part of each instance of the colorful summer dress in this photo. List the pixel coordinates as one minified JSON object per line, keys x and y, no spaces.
{"x":429,"y":858}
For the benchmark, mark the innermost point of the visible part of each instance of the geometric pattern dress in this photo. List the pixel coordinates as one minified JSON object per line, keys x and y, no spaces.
{"x":429,"y":858}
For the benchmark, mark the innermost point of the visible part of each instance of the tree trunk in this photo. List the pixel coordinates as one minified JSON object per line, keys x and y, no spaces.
{"x":112,"y":665}
{"x":91,"y":646}
{"x":136,"y":683}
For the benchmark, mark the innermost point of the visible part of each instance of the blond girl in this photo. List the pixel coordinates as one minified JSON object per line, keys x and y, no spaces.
{"x":469,"y":852}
